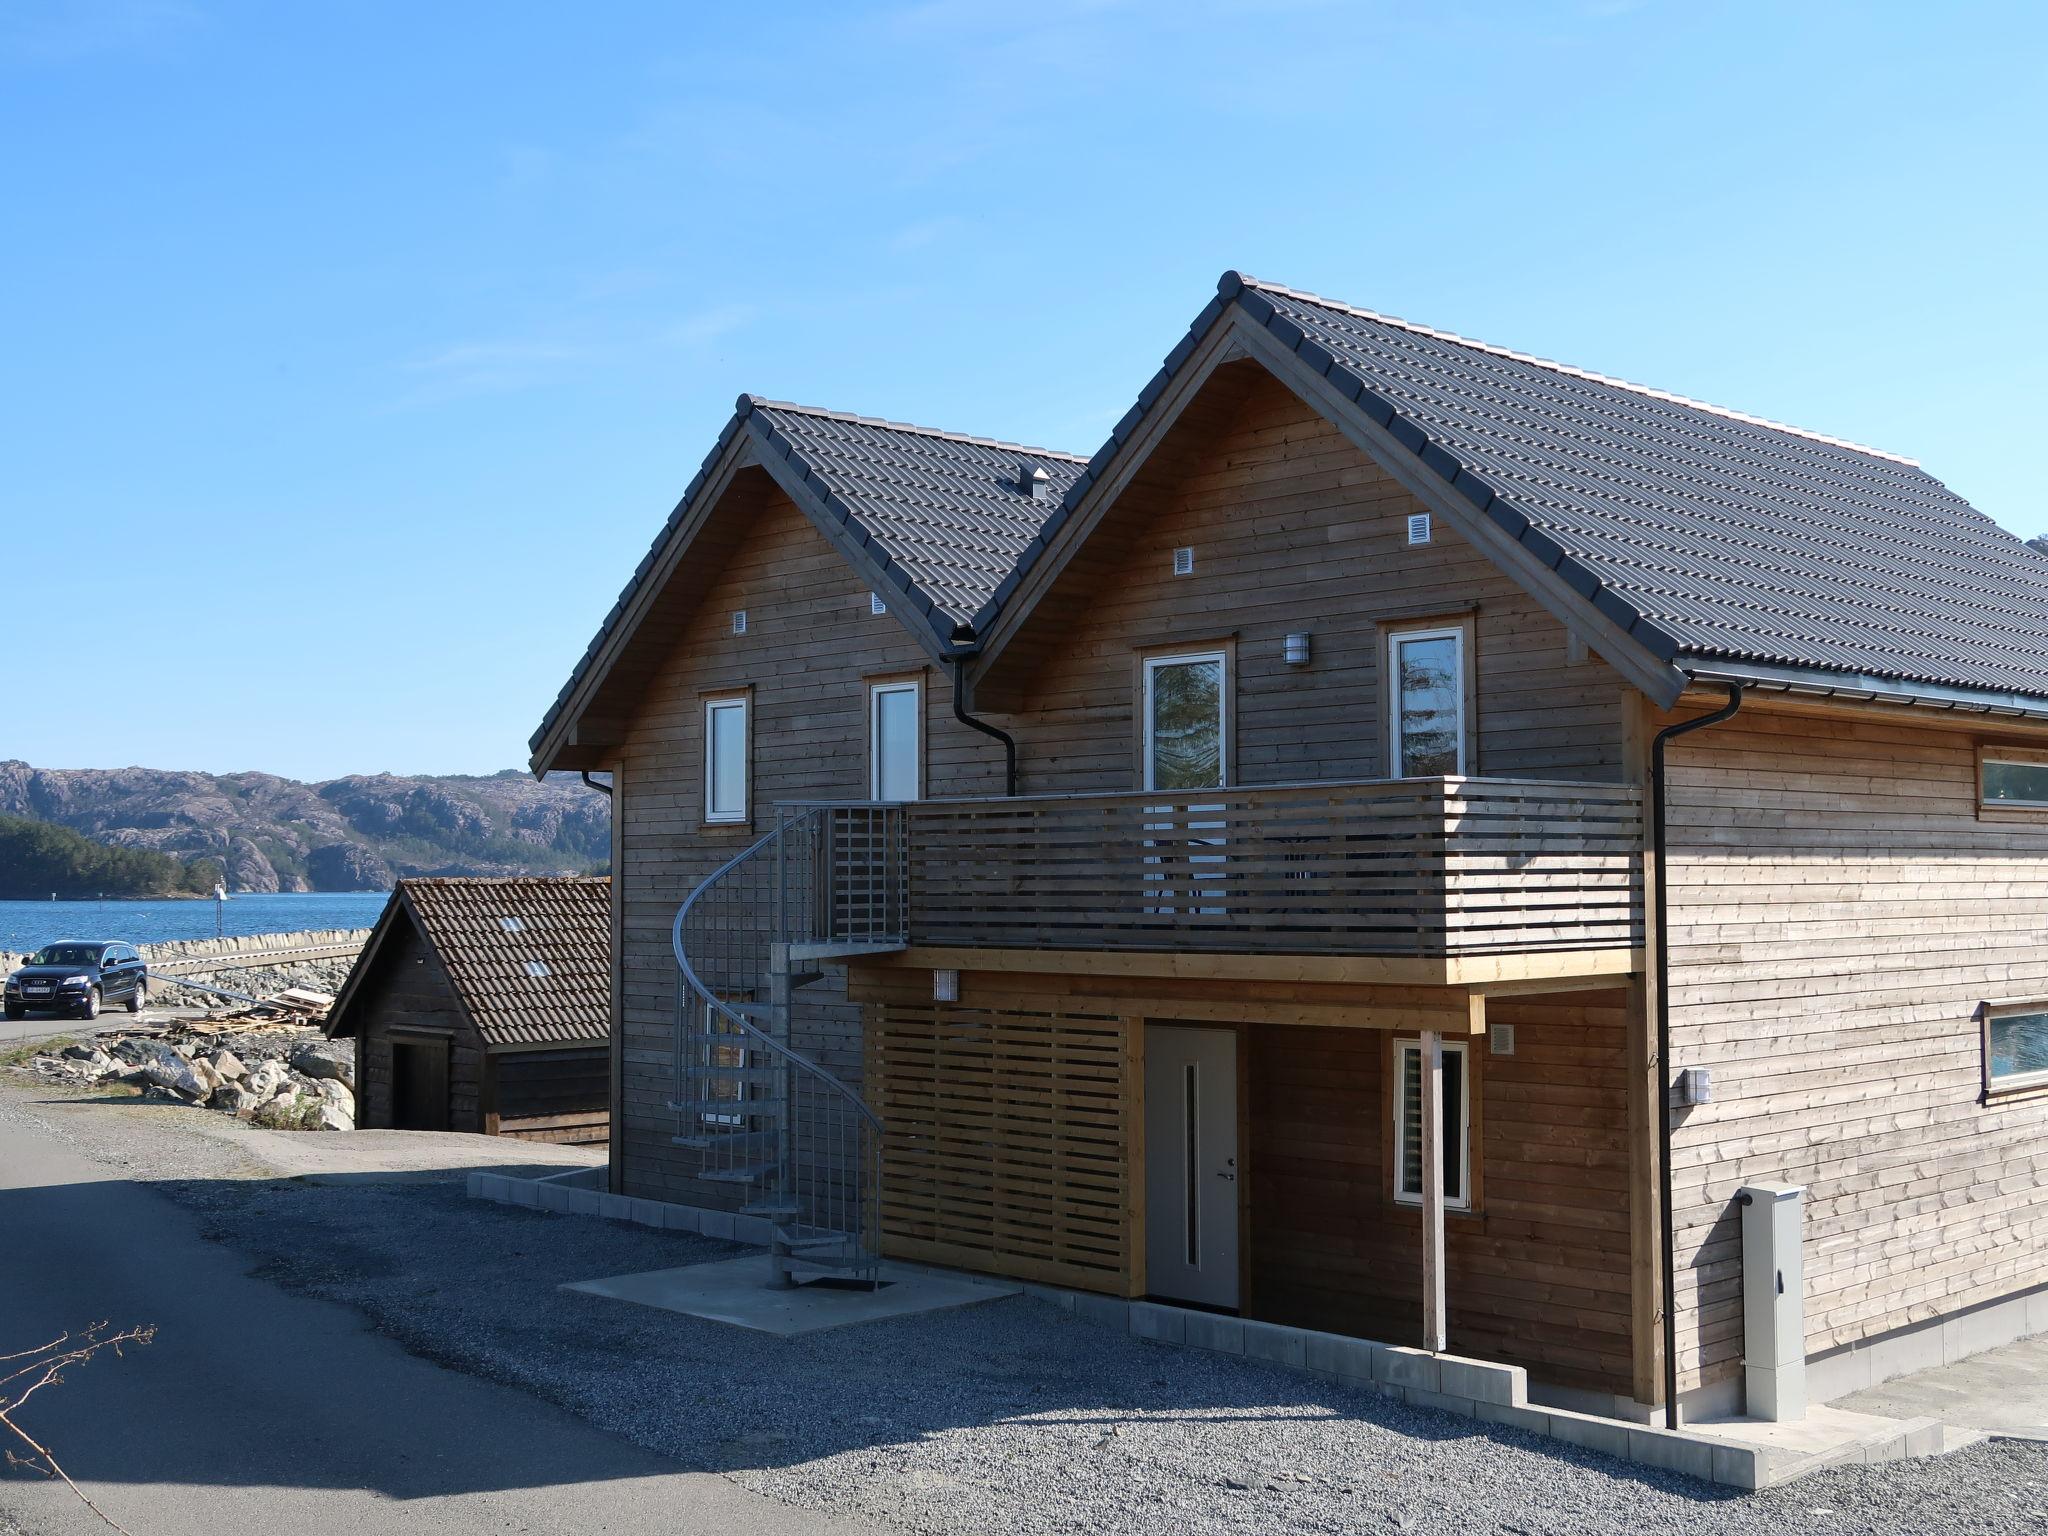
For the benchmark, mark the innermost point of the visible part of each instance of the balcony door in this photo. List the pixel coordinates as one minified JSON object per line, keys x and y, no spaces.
{"x":1186,"y":748}
{"x":1191,"y":1229}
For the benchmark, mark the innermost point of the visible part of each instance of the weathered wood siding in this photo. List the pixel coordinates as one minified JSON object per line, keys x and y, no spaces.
{"x":1538,"y":1270}
{"x":812,"y":644}
{"x":411,"y":992}
{"x":1293,"y":528}
{"x":561,"y":1096}
{"x":1837,"y":912}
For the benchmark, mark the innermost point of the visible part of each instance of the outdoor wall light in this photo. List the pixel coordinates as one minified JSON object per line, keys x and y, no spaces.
{"x":1296,"y":651}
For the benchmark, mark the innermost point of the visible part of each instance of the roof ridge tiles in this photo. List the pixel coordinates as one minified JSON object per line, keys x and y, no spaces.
{"x":749,"y":403}
{"x":1566,"y":369}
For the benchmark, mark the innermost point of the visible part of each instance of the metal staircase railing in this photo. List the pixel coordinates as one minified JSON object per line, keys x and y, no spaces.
{"x":827,"y":882}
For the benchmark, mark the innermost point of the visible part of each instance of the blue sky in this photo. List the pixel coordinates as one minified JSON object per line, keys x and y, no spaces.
{"x":355,"y":351}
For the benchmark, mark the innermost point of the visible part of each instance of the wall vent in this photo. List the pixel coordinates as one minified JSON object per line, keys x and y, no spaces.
{"x":1500,"y":1039}
{"x":739,"y":621}
{"x":1184,"y":560}
{"x":875,"y":603}
{"x":1418,"y":528}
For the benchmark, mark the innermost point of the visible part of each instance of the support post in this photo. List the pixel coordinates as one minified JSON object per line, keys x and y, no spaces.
{"x":1431,"y":1073}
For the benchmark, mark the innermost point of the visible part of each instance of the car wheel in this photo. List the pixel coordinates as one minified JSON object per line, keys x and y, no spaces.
{"x":16,"y":1011}
{"x":138,"y":997}
{"x":92,"y":1004}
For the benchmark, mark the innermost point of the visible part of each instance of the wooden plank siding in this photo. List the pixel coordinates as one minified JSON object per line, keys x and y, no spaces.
{"x":811,"y":646}
{"x":1293,"y":528}
{"x":1838,"y":910}
{"x":412,"y":995}
{"x":559,"y":1095}
{"x":1538,"y":1271}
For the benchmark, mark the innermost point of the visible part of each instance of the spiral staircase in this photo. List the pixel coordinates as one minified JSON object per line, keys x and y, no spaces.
{"x":752,"y":1099}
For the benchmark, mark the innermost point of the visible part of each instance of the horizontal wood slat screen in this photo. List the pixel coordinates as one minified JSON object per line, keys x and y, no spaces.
{"x":1009,"y":1141}
{"x":1405,"y":867}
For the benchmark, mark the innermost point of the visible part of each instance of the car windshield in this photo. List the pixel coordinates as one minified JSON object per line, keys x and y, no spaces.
{"x":66,"y":954}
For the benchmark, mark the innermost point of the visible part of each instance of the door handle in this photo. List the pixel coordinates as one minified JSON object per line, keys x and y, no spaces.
{"x":1222,"y":1175}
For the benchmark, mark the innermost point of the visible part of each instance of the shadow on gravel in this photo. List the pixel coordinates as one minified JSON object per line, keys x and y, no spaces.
{"x":475,"y":1286}
{"x":1005,"y":1418}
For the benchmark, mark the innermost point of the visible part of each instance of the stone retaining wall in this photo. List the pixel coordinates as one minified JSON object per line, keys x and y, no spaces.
{"x":200,"y":949}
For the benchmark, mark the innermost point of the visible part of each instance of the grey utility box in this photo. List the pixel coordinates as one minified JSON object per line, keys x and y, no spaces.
{"x":1773,"y":1301}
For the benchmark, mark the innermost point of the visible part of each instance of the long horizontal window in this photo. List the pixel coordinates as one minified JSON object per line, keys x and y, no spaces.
{"x":2014,"y":779}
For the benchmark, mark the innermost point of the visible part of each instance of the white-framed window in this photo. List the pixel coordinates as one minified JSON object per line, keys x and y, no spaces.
{"x":2015,"y":1048}
{"x":724,"y":1052}
{"x":1457,"y":1123}
{"x":2012,"y":778}
{"x":725,"y":759}
{"x":1425,"y":703}
{"x":895,"y":741}
{"x":1187,"y":721}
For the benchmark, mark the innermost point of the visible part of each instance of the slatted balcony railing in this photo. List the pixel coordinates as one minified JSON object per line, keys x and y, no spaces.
{"x":1425,"y":867}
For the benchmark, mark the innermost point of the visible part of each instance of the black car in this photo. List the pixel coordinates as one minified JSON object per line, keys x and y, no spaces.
{"x":78,"y":977}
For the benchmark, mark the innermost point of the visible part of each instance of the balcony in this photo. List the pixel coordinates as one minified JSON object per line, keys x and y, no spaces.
{"x":1426,"y":868}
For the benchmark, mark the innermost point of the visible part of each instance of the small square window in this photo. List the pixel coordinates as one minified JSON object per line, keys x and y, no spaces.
{"x":2015,"y":1049}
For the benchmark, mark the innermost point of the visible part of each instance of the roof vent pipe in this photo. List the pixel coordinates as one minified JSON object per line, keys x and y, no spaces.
{"x":1034,"y":482}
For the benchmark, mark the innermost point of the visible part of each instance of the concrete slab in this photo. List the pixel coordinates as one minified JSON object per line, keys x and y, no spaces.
{"x":2002,"y":1391}
{"x":737,"y":1291}
{"x":1827,"y":1428}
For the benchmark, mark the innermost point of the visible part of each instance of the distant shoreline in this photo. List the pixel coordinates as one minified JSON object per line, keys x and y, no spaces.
{"x":54,"y":901}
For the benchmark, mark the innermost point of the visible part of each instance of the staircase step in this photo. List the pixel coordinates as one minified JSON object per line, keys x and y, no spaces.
{"x":744,"y":1173}
{"x":731,"y":1140}
{"x":767,"y":1075}
{"x":774,"y":1210}
{"x":739,"y":1109}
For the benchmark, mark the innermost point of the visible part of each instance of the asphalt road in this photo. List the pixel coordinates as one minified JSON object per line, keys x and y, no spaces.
{"x":257,"y":1410}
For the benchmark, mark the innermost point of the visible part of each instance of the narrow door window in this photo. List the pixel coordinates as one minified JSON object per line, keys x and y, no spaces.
{"x":725,"y":760}
{"x":1186,"y":722}
{"x":1408,"y":1125}
{"x":894,"y":735}
{"x":1426,"y":692}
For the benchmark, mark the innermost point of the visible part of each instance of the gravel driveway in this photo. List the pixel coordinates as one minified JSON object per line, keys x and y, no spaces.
{"x":1006,"y":1418}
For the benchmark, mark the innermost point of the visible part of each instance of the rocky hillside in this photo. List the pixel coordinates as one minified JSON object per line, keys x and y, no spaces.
{"x":350,"y":834}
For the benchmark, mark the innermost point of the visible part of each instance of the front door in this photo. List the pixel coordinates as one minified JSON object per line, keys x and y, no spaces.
{"x":419,"y":1085}
{"x":1191,"y":1164}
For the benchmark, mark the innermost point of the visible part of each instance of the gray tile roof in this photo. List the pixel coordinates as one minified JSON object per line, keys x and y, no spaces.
{"x":1709,"y":535}
{"x":529,"y":956}
{"x":945,"y":511}
{"x":942,"y":517}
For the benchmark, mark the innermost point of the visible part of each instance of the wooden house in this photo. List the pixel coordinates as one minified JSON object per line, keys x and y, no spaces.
{"x":484,"y":1005}
{"x":1396,"y":842}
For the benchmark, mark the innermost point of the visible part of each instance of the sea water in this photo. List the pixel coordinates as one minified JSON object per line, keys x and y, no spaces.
{"x":26,"y":925}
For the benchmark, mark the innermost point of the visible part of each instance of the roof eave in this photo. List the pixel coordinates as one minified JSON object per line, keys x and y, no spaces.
{"x":1866,"y":688}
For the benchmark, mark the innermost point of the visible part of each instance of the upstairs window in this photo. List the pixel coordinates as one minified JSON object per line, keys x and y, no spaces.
{"x":1408,"y":1125}
{"x":2015,"y":1048}
{"x":2013,"y":779}
{"x":1426,"y":703}
{"x":725,"y":759}
{"x":1187,"y":725}
{"x":894,"y":741}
